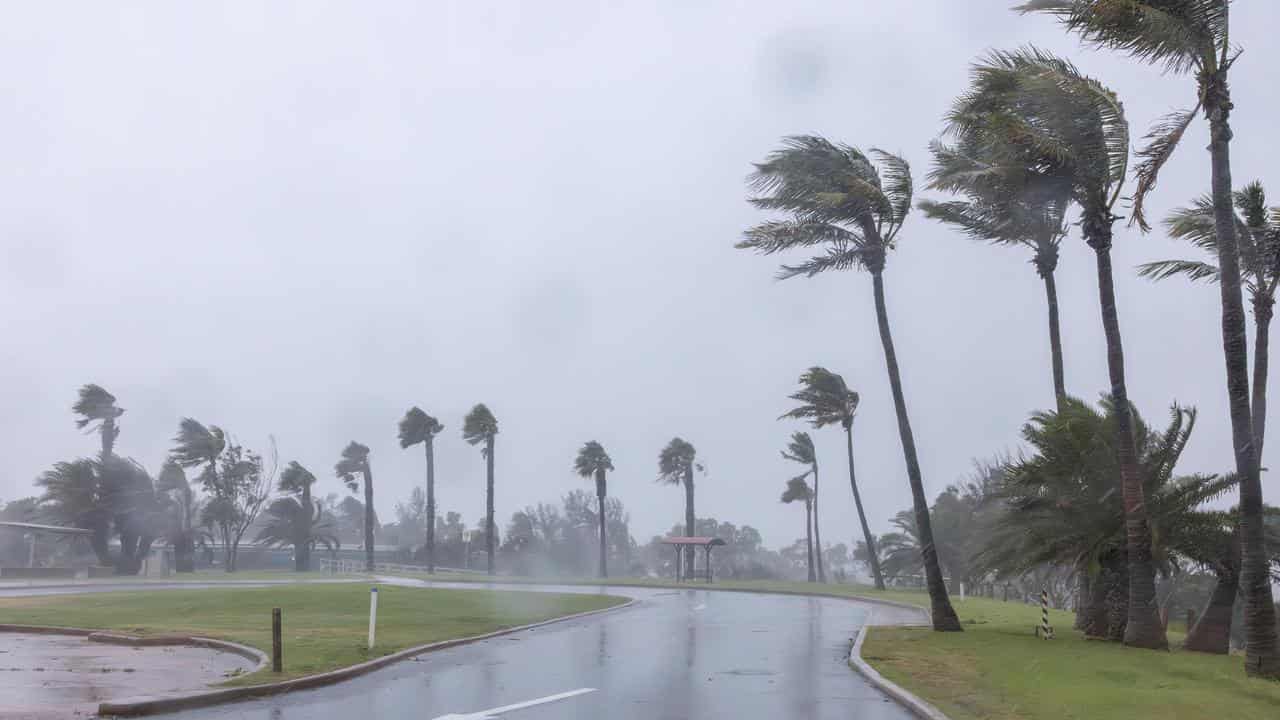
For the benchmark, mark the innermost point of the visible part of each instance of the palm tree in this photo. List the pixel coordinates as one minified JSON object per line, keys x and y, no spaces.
{"x":418,"y":427}
{"x":800,"y":449}
{"x":297,"y":480}
{"x":73,"y":496}
{"x":676,"y":464}
{"x":1258,"y":238}
{"x":196,"y":444}
{"x":838,"y":199}
{"x":355,"y":459}
{"x":184,"y":534}
{"x":1037,"y":113}
{"x":1021,"y":210}
{"x":300,"y":523}
{"x":594,"y":462}
{"x":97,"y":405}
{"x":798,"y":490}
{"x":480,"y":426}
{"x":824,"y":400}
{"x":1193,"y":36}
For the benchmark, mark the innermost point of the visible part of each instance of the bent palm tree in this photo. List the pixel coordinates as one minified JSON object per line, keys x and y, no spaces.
{"x":1038,"y":113}
{"x":676,"y":464}
{"x":97,"y":405}
{"x":801,"y":450}
{"x":594,"y":462}
{"x":798,"y":490}
{"x":184,"y":534}
{"x":837,"y":199}
{"x":824,"y":400}
{"x":355,"y":460}
{"x":480,"y":426}
{"x":1022,"y":209}
{"x":302,"y":524}
{"x":297,"y":480}
{"x":418,"y":427}
{"x":1193,"y":36}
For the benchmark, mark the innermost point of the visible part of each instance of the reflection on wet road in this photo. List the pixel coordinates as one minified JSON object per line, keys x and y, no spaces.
{"x":675,"y":654}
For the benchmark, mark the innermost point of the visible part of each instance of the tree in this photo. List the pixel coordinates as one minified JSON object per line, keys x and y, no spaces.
{"x":96,"y":405}
{"x":1193,"y":36}
{"x":481,"y":427}
{"x":1020,"y":210}
{"x":107,"y":496}
{"x":799,"y":491}
{"x":184,"y":532}
{"x":800,"y":450}
{"x":824,"y":400}
{"x":355,"y":460}
{"x":297,"y":480}
{"x":837,"y":199}
{"x":417,"y":427}
{"x":1038,"y":114}
{"x":594,"y":462}
{"x":676,"y":464}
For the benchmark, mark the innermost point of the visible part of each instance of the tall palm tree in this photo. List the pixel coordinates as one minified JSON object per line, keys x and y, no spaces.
{"x":676,"y":464}
{"x":297,"y":480}
{"x":799,"y":490}
{"x":800,"y":449}
{"x":1193,"y":36}
{"x":1038,"y":113}
{"x":196,"y":445}
{"x":418,"y":427}
{"x":355,"y":459}
{"x":480,"y":426}
{"x":838,"y":199}
{"x":594,"y":462}
{"x":1021,"y":210}
{"x":824,"y":400}
{"x":95,"y":404}
{"x":184,"y":533}
{"x":300,"y":523}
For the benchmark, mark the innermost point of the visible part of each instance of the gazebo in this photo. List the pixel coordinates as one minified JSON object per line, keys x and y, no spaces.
{"x":706,"y":543}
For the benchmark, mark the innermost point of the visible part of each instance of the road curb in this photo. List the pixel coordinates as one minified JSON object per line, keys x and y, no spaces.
{"x":137,"y":706}
{"x":907,"y":699}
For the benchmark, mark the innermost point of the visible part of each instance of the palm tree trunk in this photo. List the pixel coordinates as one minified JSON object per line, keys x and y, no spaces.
{"x":1262,"y":652}
{"x":431,"y":505}
{"x":1212,"y":632}
{"x":302,"y":550}
{"x":1084,"y":599}
{"x":368,"y":517}
{"x":688,"y":519}
{"x":1142,"y":628}
{"x":1055,"y":339}
{"x":817,"y":536}
{"x":488,"y":506}
{"x":604,"y":547}
{"x":944,"y":616}
{"x":808,"y":537}
{"x":1263,"y":309}
{"x":870,"y":540}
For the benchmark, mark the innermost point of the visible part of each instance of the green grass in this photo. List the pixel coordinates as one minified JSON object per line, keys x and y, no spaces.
{"x":998,"y":670}
{"x":325,"y":625}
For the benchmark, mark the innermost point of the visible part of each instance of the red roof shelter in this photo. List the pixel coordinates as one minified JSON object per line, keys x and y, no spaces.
{"x":706,"y":543}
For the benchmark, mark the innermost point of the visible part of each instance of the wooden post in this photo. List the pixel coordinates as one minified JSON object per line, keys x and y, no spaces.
{"x":277,"y":646}
{"x":707,"y":559}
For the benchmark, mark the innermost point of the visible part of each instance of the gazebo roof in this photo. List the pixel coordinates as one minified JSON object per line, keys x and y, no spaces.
{"x":705,"y":541}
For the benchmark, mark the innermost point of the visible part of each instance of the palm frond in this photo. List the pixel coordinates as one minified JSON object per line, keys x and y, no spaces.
{"x":1193,"y":270}
{"x":895,"y":174}
{"x":417,"y":427}
{"x":1162,"y":140}
{"x":480,"y":425}
{"x":676,"y":460}
{"x":592,"y":459}
{"x":775,"y":236}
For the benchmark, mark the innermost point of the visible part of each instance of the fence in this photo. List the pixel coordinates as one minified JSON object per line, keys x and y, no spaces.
{"x":346,"y":566}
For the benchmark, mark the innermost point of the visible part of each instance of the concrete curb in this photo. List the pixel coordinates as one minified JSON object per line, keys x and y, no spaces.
{"x":132,"y":707}
{"x":917,"y":706}
{"x":114,"y":638}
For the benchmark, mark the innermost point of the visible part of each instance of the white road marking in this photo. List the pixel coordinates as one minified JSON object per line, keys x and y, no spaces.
{"x":496,"y":712}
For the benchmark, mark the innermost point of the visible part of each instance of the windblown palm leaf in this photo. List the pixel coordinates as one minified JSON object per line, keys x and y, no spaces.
{"x":800,"y":449}
{"x":417,"y":427}
{"x":355,"y":458}
{"x":676,"y":459}
{"x":824,"y":399}
{"x":479,"y":426}
{"x":591,"y":460}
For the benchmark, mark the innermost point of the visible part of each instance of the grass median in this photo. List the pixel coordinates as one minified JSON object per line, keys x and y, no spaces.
{"x":325,"y":625}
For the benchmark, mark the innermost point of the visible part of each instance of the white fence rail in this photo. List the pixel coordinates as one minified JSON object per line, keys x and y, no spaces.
{"x":344,"y":566}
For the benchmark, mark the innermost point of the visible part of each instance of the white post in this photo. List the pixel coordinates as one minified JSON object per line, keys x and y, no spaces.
{"x":962,"y":592}
{"x":373,"y":613}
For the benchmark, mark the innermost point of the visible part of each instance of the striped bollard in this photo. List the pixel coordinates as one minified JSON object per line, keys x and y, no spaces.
{"x":1045,"y":630}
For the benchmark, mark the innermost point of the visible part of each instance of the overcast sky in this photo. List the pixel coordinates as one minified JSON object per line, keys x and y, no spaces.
{"x":299,"y":219}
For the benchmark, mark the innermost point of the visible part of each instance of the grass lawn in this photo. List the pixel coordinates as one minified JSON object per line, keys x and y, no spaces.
{"x":325,"y":625}
{"x":998,"y":670}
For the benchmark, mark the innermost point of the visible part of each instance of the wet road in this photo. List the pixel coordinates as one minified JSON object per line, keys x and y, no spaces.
{"x":674,"y":655}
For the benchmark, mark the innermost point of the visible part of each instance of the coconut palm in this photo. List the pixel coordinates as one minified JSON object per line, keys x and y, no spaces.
{"x":95,"y":405}
{"x":800,"y":449}
{"x":676,"y":464}
{"x":836,"y":199}
{"x":355,"y":460}
{"x":184,"y":532}
{"x":1024,"y":210}
{"x":480,"y":426}
{"x":301,"y":524}
{"x":594,"y":462}
{"x":799,"y":491}
{"x":297,"y":480}
{"x":1039,"y":114}
{"x":74,"y":497}
{"x":824,"y":400}
{"x":418,"y":427}
{"x":1258,"y":239}
{"x":1193,"y":36}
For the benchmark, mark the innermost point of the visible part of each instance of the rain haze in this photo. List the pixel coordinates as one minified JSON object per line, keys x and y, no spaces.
{"x":299,"y":219}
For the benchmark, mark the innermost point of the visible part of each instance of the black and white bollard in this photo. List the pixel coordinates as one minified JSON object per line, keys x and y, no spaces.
{"x":1045,"y":630}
